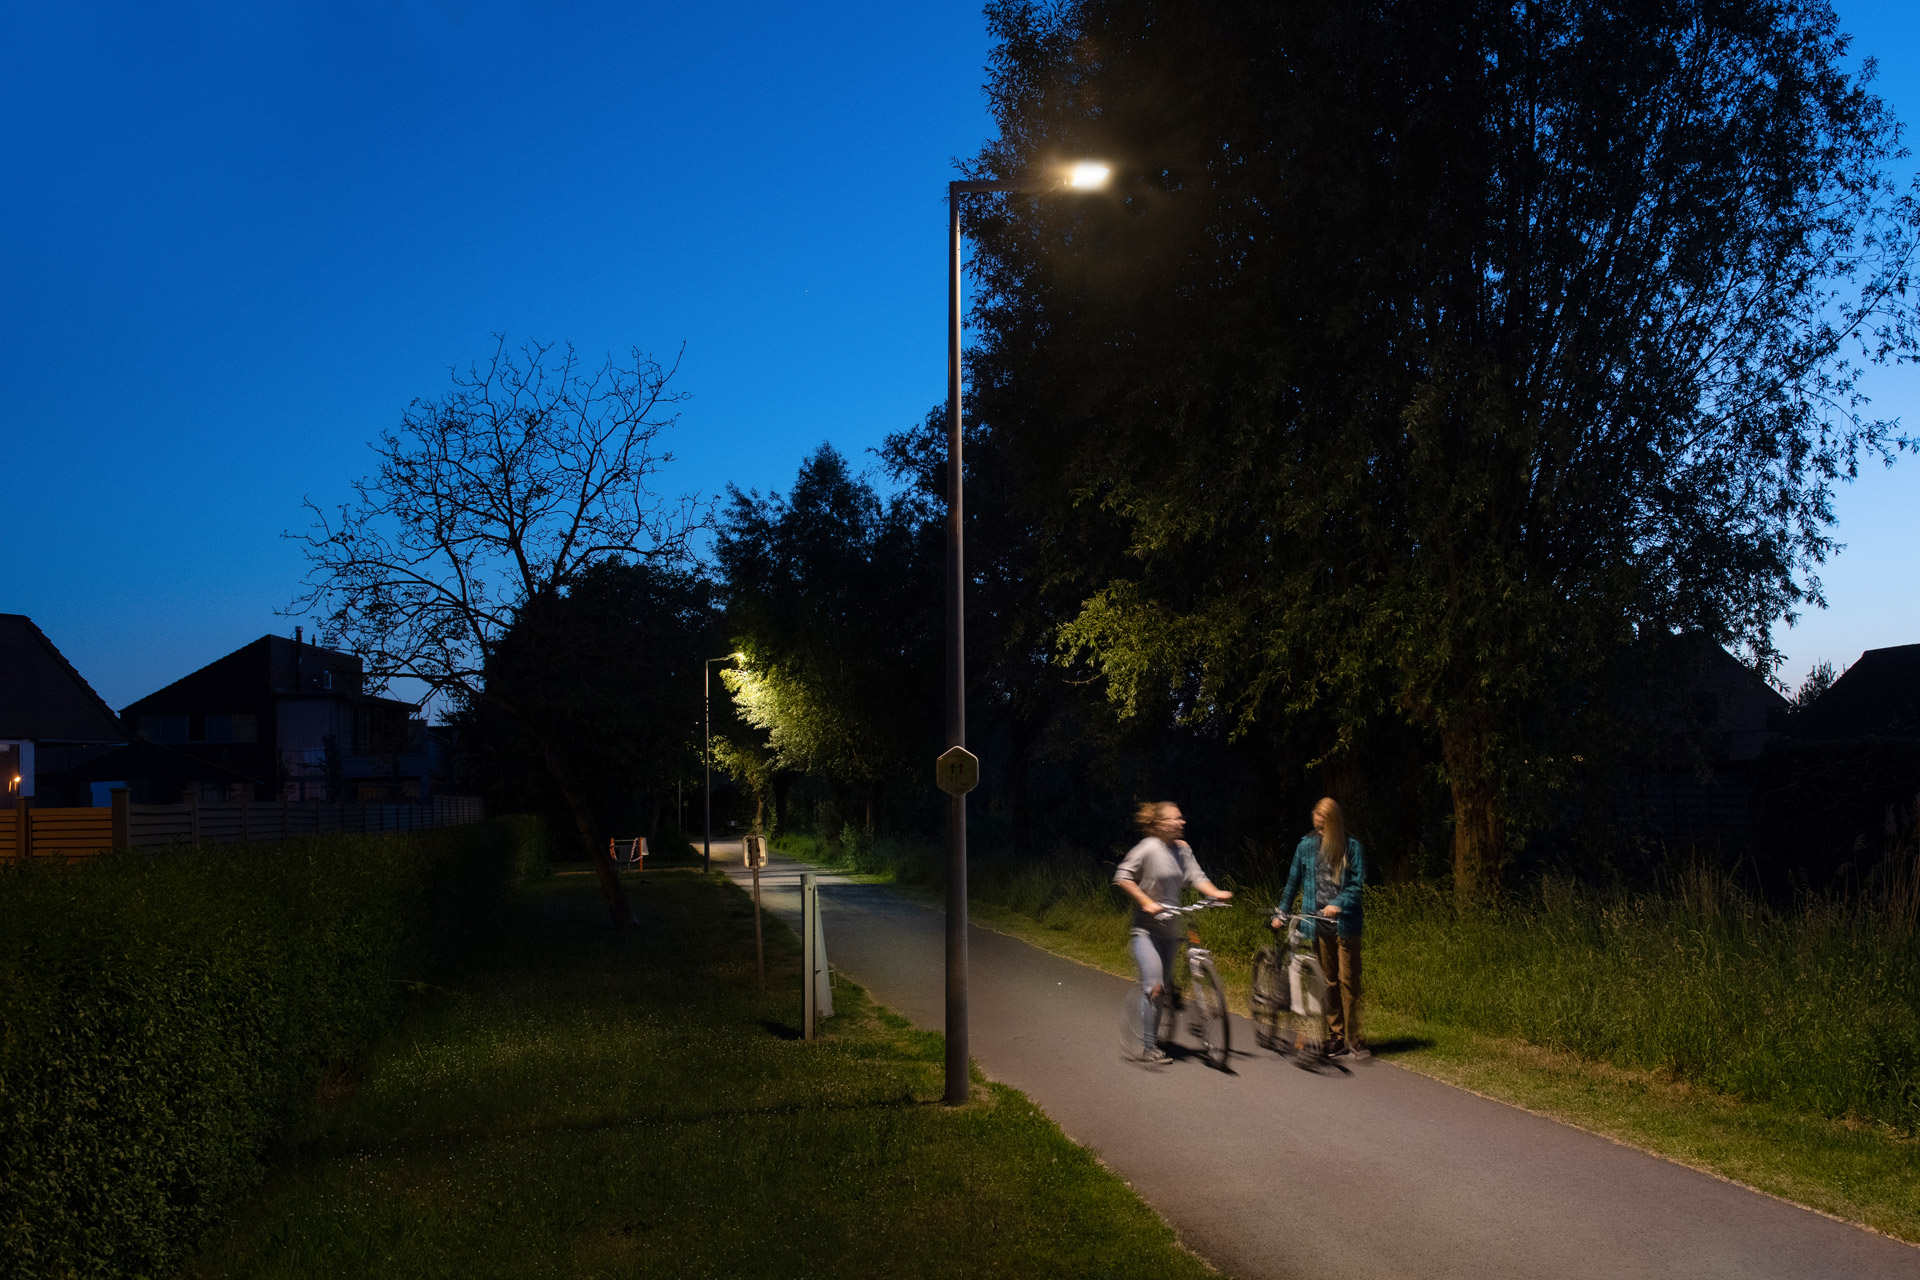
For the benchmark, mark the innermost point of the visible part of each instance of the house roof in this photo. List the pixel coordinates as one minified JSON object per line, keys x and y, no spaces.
{"x":272,"y":666}
{"x":41,"y":696}
{"x":1876,"y":697}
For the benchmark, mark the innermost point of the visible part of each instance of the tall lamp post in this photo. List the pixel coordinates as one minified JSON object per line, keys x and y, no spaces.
{"x":706,"y":690}
{"x":957,"y":771}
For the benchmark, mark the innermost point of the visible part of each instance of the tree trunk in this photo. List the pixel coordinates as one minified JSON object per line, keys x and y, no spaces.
{"x":591,"y":836}
{"x":1479,"y":826}
{"x":781,"y":783}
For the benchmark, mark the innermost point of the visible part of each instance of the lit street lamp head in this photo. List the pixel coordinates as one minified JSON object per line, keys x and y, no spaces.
{"x":1088,"y":175}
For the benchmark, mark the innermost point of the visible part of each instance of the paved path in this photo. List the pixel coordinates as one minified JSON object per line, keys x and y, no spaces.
{"x":1274,"y":1171}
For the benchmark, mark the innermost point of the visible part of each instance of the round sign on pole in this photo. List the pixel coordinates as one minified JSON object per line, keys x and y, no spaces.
{"x":957,"y":771}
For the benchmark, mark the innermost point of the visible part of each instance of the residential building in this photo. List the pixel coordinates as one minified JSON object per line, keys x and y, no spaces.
{"x":1876,"y":697}
{"x":50,"y":718}
{"x":292,"y":720}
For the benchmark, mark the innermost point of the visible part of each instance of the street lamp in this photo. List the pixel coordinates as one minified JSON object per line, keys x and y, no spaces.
{"x":706,"y":689}
{"x":957,"y":771}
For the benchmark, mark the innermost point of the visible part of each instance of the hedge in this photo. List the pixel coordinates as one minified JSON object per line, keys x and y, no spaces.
{"x":166,"y":1017}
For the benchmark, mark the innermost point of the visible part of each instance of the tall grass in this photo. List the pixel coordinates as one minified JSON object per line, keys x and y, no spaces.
{"x":1815,"y":1007}
{"x":166,"y":1017}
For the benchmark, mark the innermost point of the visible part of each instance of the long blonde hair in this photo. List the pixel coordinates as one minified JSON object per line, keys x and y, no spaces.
{"x":1333,"y":841}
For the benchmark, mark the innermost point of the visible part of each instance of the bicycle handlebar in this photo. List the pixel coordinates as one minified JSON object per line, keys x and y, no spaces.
{"x":1168,"y":913}
{"x":1294,"y":919}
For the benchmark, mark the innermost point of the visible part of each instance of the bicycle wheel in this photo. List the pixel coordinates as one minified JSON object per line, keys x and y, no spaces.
{"x":1267,"y":997}
{"x":1304,"y":1032}
{"x":1210,"y":1022}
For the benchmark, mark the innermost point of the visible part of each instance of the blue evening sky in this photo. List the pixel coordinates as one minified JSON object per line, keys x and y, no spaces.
{"x":242,"y":236}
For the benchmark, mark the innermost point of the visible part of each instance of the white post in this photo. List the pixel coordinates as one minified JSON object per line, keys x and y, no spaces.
{"x":822,"y":975}
{"x":813,"y":950}
{"x":809,"y":891}
{"x":756,"y":848}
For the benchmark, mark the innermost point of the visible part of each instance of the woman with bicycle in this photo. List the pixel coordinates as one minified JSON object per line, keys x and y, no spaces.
{"x":1330,"y":875}
{"x":1153,"y":874}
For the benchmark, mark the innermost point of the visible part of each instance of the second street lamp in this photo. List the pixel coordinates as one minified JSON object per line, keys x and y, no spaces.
{"x":957,"y":772}
{"x":706,"y":689}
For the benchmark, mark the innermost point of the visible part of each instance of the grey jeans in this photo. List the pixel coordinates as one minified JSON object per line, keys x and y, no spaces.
{"x":1154,"y":957}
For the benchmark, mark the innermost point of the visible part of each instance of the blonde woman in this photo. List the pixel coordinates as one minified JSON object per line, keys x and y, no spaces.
{"x":1155,"y":872}
{"x":1330,"y":874}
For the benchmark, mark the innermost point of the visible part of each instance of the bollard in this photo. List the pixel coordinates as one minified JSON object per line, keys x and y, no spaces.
{"x":818,"y":993}
{"x":756,"y":858}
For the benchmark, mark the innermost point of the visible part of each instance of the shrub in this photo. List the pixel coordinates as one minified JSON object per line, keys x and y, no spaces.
{"x":165,"y":1017}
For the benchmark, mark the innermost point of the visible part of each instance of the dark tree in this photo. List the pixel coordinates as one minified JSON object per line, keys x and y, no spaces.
{"x":612,"y":668}
{"x":1428,"y":355}
{"x":489,"y":504}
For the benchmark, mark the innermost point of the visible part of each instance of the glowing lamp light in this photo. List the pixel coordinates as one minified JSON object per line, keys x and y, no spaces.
{"x":1087,"y":175}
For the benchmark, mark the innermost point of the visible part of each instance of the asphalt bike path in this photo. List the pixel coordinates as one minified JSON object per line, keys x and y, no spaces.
{"x":1272,"y":1171}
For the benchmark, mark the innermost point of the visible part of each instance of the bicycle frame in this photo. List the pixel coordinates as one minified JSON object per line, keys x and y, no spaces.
{"x":1302,"y":1010}
{"x":1206,"y":1011}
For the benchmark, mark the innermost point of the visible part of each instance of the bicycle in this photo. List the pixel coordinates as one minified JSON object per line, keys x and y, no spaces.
{"x":1288,"y":994}
{"x":1207,"y":1019}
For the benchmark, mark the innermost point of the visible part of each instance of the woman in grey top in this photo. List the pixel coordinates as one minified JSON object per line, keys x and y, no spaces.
{"x":1154,"y":873}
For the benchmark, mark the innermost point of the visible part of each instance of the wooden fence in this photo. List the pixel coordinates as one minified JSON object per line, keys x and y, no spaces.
{"x":83,"y":833}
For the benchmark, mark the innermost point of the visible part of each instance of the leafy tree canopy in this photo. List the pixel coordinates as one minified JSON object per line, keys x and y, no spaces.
{"x":828,"y":594}
{"x":1428,"y":355}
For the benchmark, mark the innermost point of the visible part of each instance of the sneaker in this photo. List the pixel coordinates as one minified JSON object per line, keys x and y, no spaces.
{"x":1155,"y":1056}
{"x":1352,"y":1053}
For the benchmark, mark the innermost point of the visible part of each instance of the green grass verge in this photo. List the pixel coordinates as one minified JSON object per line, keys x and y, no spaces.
{"x":591,"y":1103}
{"x":1616,"y":1014}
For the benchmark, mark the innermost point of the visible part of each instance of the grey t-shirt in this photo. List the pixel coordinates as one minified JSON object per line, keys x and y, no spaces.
{"x":1161,"y":872}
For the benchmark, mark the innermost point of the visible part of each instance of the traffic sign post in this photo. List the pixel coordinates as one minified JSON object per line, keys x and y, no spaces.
{"x":956,"y":771}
